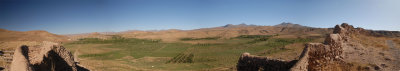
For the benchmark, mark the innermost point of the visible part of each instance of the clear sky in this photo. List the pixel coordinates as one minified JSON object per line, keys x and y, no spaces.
{"x":83,"y":16}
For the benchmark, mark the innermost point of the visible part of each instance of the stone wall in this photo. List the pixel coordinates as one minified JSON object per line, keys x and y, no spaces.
{"x":326,"y":56}
{"x":46,"y":57}
{"x":249,"y":62}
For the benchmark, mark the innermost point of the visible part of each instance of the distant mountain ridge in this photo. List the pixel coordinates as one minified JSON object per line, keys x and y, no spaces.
{"x":288,"y":24}
{"x":239,"y":25}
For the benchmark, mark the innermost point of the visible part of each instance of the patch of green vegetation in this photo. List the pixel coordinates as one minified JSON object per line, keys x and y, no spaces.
{"x":259,"y":40}
{"x":207,"y":38}
{"x":280,"y":42}
{"x":114,"y":39}
{"x":206,"y":44}
{"x":180,"y":56}
{"x":104,"y":56}
{"x":137,"y":48}
{"x":254,"y":36}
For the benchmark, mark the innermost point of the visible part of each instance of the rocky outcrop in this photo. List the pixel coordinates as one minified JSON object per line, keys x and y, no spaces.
{"x":46,"y":57}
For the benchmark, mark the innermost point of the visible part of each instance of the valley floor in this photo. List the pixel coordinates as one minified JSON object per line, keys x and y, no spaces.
{"x":126,"y":54}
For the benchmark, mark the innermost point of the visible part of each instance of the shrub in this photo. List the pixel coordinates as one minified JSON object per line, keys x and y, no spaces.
{"x":207,"y":38}
{"x":254,"y":36}
{"x":114,"y":39}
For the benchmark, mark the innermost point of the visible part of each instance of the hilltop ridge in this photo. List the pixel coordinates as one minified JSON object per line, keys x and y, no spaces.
{"x":228,"y":31}
{"x":35,"y":35}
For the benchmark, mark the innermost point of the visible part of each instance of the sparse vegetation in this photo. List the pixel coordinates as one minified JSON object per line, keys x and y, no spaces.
{"x":379,"y":42}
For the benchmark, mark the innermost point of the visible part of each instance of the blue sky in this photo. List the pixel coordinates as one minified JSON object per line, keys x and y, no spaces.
{"x":83,"y":16}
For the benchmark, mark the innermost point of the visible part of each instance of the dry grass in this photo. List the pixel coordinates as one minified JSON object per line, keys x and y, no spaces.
{"x":294,"y":50}
{"x":362,"y":67}
{"x":397,"y":42}
{"x":11,"y":45}
{"x":379,"y":42}
{"x":90,"y":48}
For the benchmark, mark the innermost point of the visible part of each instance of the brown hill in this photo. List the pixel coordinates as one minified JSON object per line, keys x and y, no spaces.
{"x":104,"y":35}
{"x":6,"y":35}
{"x":229,"y":31}
{"x":286,"y":30}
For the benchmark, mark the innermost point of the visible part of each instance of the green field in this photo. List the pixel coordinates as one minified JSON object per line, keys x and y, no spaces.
{"x":129,"y":54}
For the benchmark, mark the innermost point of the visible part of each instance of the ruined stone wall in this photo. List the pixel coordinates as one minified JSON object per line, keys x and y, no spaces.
{"x":386,"y":33}
{"x":321,"y":57}
{"x":46,"y":57}
{"x":248,"y":62}
{"x":347,"y":29}
{"x":326,"y":56}
{"x":315,"y":56}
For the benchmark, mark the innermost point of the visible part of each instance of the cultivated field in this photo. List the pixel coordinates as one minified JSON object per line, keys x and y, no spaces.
{"x":210,"y":53}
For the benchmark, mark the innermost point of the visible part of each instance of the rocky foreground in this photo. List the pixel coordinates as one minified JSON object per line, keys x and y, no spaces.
{"x":47,"y":57}
{"x":341,"y":51}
